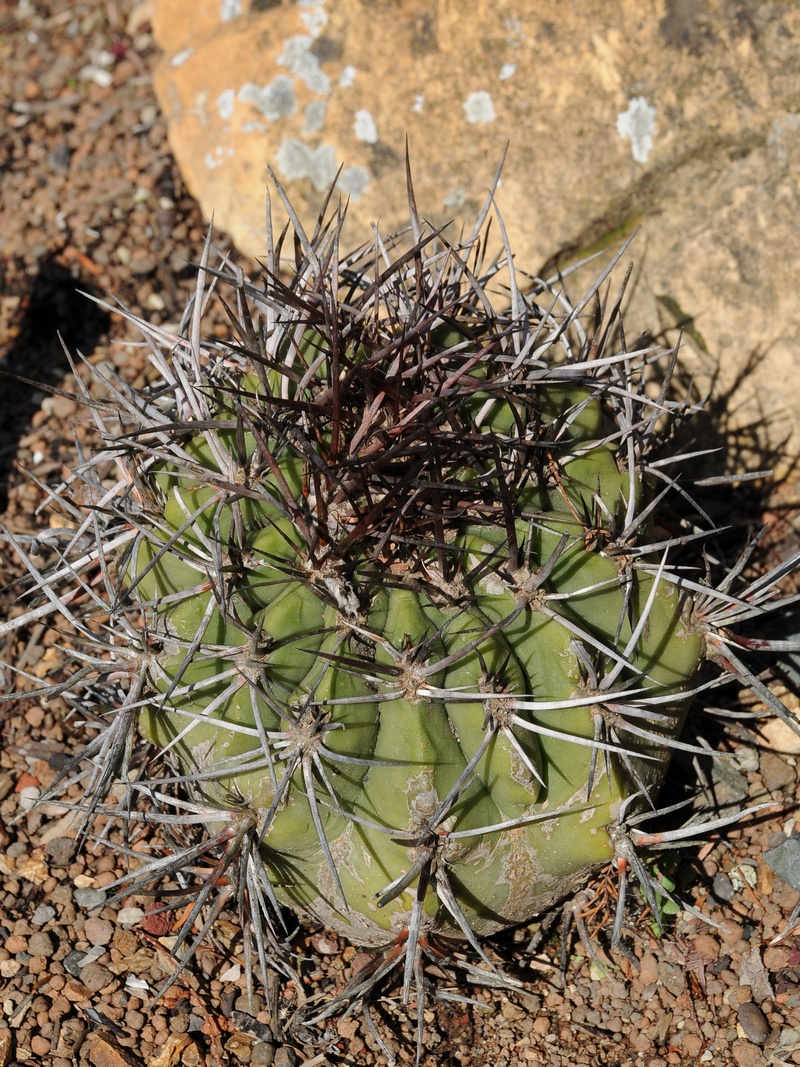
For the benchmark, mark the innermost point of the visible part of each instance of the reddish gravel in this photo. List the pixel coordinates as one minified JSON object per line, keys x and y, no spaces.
{"x":92,"y":200}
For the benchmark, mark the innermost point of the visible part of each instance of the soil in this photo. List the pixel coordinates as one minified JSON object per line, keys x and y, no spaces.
{"x":92,"y":202}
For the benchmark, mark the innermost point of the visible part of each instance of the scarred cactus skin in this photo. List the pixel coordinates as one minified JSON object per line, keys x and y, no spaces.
{"x":391,"y":588}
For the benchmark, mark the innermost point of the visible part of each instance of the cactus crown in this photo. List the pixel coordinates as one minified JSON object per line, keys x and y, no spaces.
{"x":392,"y":584}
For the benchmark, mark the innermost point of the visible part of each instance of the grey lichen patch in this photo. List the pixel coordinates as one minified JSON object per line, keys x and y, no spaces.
{"x":276,"y":100}
{"x":225,"y":104}
{"x":479,"y":107}
{"x":314,"y":18}
{"x":784,"y":134}
{"x":218,"y":157}
{"x":638,"y":124}
{"x":230,"y":10}
{"x":354,"y":181}
{"x":314,"y":116}
{"x":181,"y":57}
{"x":364,"y":127}
{"x":301,"y":61}
{"x":296,"y":160}
{"x":455,"y":198}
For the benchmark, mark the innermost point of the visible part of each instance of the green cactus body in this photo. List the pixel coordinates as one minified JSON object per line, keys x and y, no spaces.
{"x":442,"y":692}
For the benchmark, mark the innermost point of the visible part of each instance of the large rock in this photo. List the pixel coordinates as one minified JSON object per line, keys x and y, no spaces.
{"x":679,"y":116}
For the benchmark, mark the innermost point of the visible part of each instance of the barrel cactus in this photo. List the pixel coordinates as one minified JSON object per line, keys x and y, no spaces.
{"x":390,"y":584}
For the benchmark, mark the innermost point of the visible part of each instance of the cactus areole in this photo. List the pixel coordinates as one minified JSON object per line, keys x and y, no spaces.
{"x":392,"y":586}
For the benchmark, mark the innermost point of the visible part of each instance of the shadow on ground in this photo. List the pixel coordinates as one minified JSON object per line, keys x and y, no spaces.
{"x":55,"y":314}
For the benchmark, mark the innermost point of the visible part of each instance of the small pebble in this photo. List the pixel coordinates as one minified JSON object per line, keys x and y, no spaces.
{"x":785,"y":860}
{"x":41,"y":944}
{"x":247,"y":1023}
{"x":776,"y":772}
{"x":754,"y":1022}
{"x":92,"y":954}
{"x":746,"y":1054}
{"x":747,"y":758}
{"x":263,"y":1054}
{"x":73,"y":1032}
{"x":249,"y":1004}
{"x":73,"y":962}
{"x":104,"y":879}
{"x":240,"y":1047}
{"x":43,"y":914}
{"x":142,"y":263}
{"x":40,"y":1046}
{"x":98,"y":931}
{"x":130,"y":916}
{"x":155,"y":302}
{"x":511,"y":1011}
{"x":28,"y":796}
{"x":722,"y":887}
{"x":59,"y":157}
{"x":648,"y":969}
{"x":35,"y":717}
{"x":285,"y":1057}
{"x":60,"y":407}
{"x":720,"y":964}
{"x":692,"y":1045}
{"x":88,"y":899}
{"x":125,"y":940}
{"x":95,"y":976}
{"x":62,"y":894}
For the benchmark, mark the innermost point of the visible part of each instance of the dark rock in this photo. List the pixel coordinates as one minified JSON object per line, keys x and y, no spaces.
{"x":754,"y":1022}
{"x":59,"y":158}
{"x":785,"y":860}
{"x":722,"y":887}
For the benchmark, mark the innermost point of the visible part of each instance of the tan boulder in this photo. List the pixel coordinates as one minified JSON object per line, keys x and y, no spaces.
{"x":678,"y":117}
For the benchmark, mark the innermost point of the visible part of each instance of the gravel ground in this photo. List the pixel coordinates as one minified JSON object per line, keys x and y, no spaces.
{"x":91,"y":200}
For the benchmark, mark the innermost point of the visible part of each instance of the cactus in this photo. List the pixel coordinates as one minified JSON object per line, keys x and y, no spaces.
{"x":390,"y":584}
